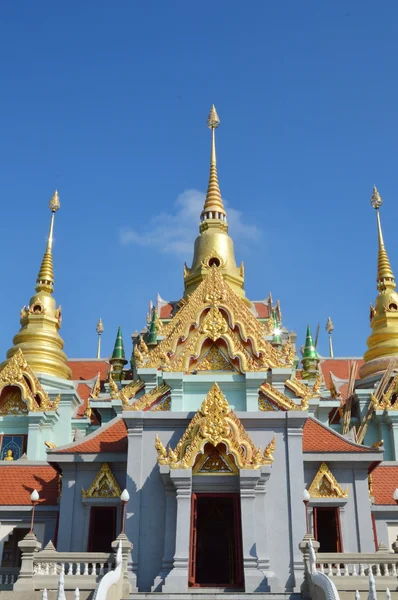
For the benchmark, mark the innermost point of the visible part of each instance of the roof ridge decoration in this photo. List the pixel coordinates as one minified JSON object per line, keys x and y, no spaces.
{"x":215,"y":423}
{"x":275,"y":399}
{"x":17,"y":373}
{"x":385,"y":402}
{"x":213,"y":311}
{"x":325,"y":485}
{"x":104,"y":485}
{"x":130,"y":391}
{"x":152,"y":398}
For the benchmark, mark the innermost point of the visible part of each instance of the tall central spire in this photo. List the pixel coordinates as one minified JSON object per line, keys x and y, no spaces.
{"x":213,"y":247}
{"x":213,"y":207}
{"x":45,"y":278}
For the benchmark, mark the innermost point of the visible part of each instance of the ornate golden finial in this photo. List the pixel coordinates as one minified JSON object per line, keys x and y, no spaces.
{"x":45,"y":278}
{"x":385,"y":276}
{"x":330,"y":328}
{"x":100,"y":330}
{"x":39,"y":337}
{"x":214,"y":207}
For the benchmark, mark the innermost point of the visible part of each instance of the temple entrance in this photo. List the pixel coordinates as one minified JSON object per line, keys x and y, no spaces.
{"x":327,"y":529}
{"x":216,"y":541}
{"x":102,"y":528}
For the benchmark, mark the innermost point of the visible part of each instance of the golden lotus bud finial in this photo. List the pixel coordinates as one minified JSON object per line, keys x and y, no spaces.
{"x":376,"y":200}
{"x":213,"y":120}
{"x":54,"y":203}
{"x":329,"y":326}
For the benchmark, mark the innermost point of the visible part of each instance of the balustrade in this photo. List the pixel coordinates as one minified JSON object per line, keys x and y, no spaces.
{"x":381,"y":564}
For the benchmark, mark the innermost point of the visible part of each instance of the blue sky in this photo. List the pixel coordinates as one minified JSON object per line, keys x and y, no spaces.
{"x":107,"y":101}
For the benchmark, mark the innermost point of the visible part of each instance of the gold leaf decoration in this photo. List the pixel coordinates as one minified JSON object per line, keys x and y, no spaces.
{"x":104,"y":485}
{"x":325,"y":485}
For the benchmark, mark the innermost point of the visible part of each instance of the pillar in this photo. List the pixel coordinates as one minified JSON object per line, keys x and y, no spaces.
{"x":169,"y":529}
{"x":133,"y":486}
{"x":254,"y":578}
{"x":177,"y":579}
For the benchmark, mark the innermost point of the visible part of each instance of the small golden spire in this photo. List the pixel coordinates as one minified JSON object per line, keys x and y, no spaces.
{"x":330,"y":328}
{"x":214,"y":207}
{"x":100,"y":330}
{"x":45,"y":278}
{"x":385,"y":276}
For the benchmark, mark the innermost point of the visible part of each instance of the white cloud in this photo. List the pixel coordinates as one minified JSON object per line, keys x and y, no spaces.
{"x":175,"y":232}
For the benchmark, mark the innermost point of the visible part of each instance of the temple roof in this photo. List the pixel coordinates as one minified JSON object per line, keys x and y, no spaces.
{"x":18,"y":481}
{"x":111,"y":437}
{"x":320,"y":438}
{"x":384,"y":483}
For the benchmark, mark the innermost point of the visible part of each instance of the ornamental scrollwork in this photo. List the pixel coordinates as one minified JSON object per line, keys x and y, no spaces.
{"x":325,"y":485}
{"x":104,"y":485}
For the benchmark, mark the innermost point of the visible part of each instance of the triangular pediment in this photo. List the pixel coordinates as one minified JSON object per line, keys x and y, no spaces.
{"x":19,"y":385}
{"x":214,"y":312}
{"x":325,"y":485}
{"x":215,"y":423}
{"x":104,"y":485}
{"x":213,"y":360}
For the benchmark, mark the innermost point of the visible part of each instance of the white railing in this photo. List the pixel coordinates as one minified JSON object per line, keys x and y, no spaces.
{"x":357,"y":565}
{"x":8,"y":576}
{"x":76,"y":564}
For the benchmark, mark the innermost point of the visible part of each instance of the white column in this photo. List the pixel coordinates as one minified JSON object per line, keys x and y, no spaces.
{"x":254,"y":579}
{"x":177,"y":579}
{"x":134,"y":483}
{"x":262,"y":528}
{"x":169,"y":529}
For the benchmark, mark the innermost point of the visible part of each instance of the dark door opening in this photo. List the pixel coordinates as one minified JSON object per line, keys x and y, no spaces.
{"x":216,"y":541}
{"x":102,"y":528}
{"x":327,"y":529}
{"x":12,"y":556}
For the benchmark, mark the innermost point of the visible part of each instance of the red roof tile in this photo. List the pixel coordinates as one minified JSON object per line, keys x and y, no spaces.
{"x":384,"y":482}
{"x":340,"y":367}
{"x":320,"y":438}
{"x":166,"y":310}
{"x":262,"y":310}
{"x":112,"y":437}
{"x":19,"y":481}
{"x":88,"y":369}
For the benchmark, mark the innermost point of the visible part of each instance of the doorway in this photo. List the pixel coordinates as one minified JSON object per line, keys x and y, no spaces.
{"x":11,"y":552}
{"x":102,"y":528}
{"x":327,"y":529}
{"x":216,"y":541}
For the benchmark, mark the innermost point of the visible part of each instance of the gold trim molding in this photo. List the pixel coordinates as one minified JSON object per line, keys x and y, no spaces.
{"x":215,"y":423}
{"x":104,"y":485}
{"x":155,"y":397}
{"x":325,"y":485}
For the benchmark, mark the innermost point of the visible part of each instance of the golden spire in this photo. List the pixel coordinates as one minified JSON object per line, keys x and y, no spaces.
{"x":39,"y":337}
{"x":383,"y":341}
{"x":45,"y":278}
{"x":213,"y":207}
{"x":385,"y":276}
{"x":213,"y":247}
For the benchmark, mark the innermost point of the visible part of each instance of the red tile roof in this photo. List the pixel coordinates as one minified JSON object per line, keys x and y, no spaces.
{"x":384,"y":482}
{"x":88,"y":369}
{"x":112,"y":437}
{"x":320,"y":438}
{"x":340,"y":367}
{"x":166,"y":310}
{"x":262,"y":310}
{"x":19,"y":481}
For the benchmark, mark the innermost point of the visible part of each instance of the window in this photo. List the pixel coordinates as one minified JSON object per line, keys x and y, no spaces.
{"x":12,"y":446}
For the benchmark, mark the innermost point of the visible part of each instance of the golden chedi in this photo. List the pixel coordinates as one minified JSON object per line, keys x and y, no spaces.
{"x":383,"y":341}
{"x":213,"y":246}
{"x":39,"y":337}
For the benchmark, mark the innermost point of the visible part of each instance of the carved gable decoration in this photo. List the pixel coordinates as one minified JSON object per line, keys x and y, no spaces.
{"x":130,"y":391}
{"x":16,"y":373}
{"x":104,"y":485}
{"x":215,"y":423}
{"x":215,"y":461}
{"x":325,"y":485}
{"x":11,"y":402}
{"x":271,"y":397}
{"x":214,"y":311}
{"x":214,"y":360}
